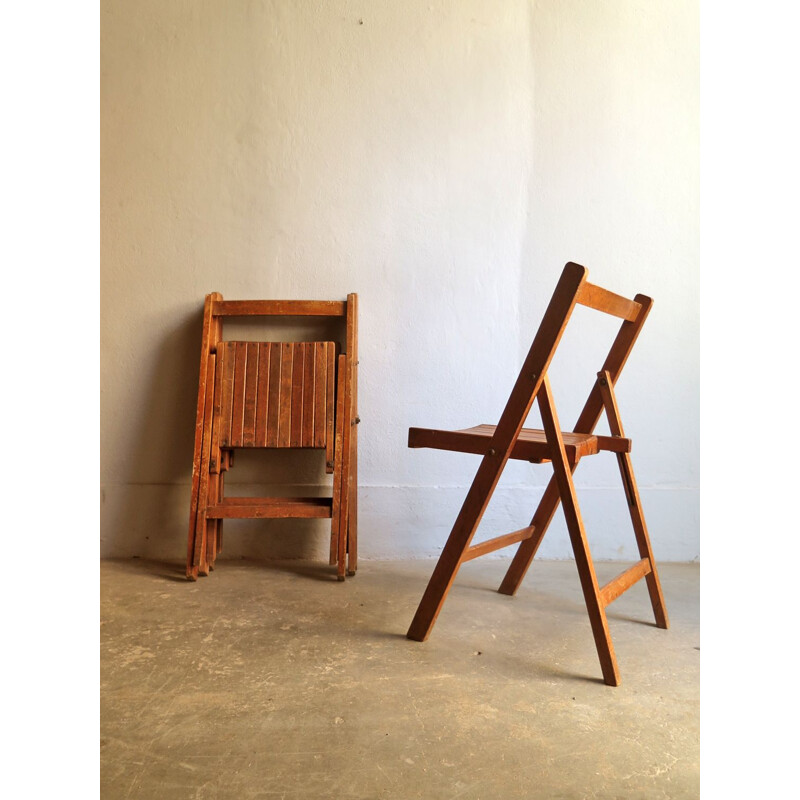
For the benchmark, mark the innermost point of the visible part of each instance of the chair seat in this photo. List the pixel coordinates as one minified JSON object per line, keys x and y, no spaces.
{"x":531,"y":444}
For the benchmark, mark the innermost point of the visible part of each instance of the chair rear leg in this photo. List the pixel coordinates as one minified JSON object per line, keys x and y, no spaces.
{"x":643,"y":539}
{"x":605,"y":385}
{"x":352,"y":527}
{"x":338,"y":437}
{"x":344,"y":511}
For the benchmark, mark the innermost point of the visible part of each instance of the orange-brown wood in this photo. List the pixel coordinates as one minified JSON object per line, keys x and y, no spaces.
{"x":497,"y":543}
{"x":331,"y":407}
{"x":298,"y":376}
{"x":602,"y":300}
{"x":531,"y":444}
{"x":273,"y":408}
{"x":514,"y":414}
{"x":237,"y":412}
{"x":338,"y":458}
{"x":319,"y":405}
{"x":262,"y":394}
{"x":577,"y":535}
{"x":352,"y":472}
{"x":347,"y":453}
{"x":227,"y":352}
{"x":250,"y":394}
{"x":285,"y":400}
{"x":309,"y":394}
{"x":213,"y":526}
{"x":207,"y":343}
{"x":496,"y":444}
{"x":605,"y":385}
{"x":200,"y":563}
{"x":587,"y":420}
{"x":280,"y":308}
{"x":614,"y":588}
{"x":271,"y":507}
{"x":267,"y":395}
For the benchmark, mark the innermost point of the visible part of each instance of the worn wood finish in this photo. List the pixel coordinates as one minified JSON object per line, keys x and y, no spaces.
{"x":352,"y":509}
{"x":531,"y":444}
{"x":258,"y":378}
{"x":330,"y":408}
{"x":347,"y":454}
{"x":496,"y":444}
{"x":262,"y":393}
{"x":615,"y":587}
{"x":602,"y":300}
{"x":497,"y":543}
{"x":517,"y":407}
{"x":285,"y":397}
{"x":337,"y":459}
{"x":269,"y":395}
{"x":271,"y":507}
{"x":239,"y":388}
{"x":317,"y":413}
{"x":213,"y":526}
{"x":309,"y":390}
{"x":250,"y":393}
{"x":298,"y":373}
{"x":279,"y":308}
{"x":587,"y":420}
{"x":273,"y":400}
{"x":577,"y":535}
{"x":605,"y":385}
{"x":207,"y":343}
{"x":200,"y":563}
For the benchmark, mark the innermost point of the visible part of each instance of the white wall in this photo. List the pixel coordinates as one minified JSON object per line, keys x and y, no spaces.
{"x":442,"y":159}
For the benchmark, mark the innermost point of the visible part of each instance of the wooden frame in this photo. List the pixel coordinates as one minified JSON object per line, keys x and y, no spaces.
{"x":274,"y":395}
{"x":496,"y":444}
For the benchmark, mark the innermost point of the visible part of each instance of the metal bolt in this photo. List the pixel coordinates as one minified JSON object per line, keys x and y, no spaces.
{"x":492,"y":451}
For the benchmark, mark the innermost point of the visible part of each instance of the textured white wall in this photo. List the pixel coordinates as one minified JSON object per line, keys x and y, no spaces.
{"x":442,"y":159}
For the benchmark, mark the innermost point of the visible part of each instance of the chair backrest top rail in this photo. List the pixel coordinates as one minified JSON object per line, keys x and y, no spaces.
{"x":601,"y":299}
{"x":279,"y":308}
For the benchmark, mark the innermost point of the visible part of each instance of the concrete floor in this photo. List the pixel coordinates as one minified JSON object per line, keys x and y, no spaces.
{"x":274,"y":680}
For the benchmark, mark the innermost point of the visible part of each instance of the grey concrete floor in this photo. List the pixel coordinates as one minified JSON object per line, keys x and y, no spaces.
{"x":274,"y":680}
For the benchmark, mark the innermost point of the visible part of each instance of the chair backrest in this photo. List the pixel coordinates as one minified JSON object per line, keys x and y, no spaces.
{"x":572,"y":289}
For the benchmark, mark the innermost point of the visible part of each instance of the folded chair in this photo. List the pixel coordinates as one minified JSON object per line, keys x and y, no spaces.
{"x":508,"y":439}
{"x":275,"y":395}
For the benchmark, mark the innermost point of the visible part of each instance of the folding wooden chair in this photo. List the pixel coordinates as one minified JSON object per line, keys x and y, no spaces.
{"x":275,"y":395}
{"x":510,"y":440}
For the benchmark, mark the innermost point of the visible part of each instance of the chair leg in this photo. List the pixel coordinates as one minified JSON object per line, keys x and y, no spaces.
{"x":444,"y":572}
{"x":352,"y":527}
{"x":589,"y":584}
{"x":643,"y":539}
{"x":440,"y":582}
{"x":344,"y":511}
{"x":577,"y":535}
{"x":605,"y":385}
{"x":199,"y":562}
{"x":336,"y":503}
